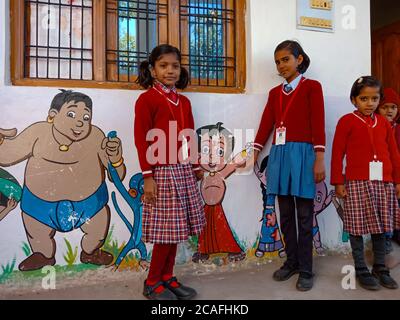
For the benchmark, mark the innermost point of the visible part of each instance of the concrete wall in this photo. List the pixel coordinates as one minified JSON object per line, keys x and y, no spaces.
{"x":337,"y":59}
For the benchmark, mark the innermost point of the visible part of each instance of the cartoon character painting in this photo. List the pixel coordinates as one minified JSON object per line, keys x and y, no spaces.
{"x":64,"y":187}
{"x":216,"y":144}
{"x":322,"y":200}
{"x":133,"y":198}
{"x":270,"y":239}
{"x":10,"y":193}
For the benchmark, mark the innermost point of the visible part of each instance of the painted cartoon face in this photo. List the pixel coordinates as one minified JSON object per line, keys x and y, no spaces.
{"x":388,"y":110}
{"x":167,"y":69}
{"x":287,"y":64}
{"x":367,"y":101}
{"x":73,"y":120}
{"x":213,"y":152}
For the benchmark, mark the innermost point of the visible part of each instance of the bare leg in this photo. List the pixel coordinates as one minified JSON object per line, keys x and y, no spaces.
{"x":40,"y":236}
{"x":95,"y":230}
{"x":95,"y":233}
{"x":41,"y":240}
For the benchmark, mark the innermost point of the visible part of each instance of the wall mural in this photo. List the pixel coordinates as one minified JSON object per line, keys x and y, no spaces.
{"x":215,"y":150}
{"x":68,"y":160}
{"x":64,"y":184}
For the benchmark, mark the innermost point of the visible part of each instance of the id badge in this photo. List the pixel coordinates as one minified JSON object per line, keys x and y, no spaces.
{"x":185,"y":149}
{"x":280,"y":138}
{"x":376,"y":170}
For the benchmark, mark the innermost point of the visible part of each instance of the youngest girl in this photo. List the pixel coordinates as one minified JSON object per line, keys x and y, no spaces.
{"x":371,"y":180}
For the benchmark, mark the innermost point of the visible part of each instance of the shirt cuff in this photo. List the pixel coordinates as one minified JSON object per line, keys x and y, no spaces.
{"x":257,"y":146}
{"x":147,"y":174}
{"x":319,"y":148}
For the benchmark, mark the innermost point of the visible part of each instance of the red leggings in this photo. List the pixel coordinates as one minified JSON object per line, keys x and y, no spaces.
{"x":162,"y":263}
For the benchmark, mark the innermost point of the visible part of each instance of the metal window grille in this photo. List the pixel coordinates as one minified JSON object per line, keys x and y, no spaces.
{"x":133,"y":30}
{"x":207,"y":44}
{"x":58,"y":39}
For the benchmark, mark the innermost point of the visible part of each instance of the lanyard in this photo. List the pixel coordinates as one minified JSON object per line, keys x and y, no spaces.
{"x":370,"y":133}
{"x":179,"y":105}
{"x":290,"y":102}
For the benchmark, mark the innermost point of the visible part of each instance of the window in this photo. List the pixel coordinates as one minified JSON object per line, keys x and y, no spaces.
{"x":100,"y":43}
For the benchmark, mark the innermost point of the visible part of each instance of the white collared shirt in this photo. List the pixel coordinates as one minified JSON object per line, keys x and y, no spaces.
{"x":294,"y":82}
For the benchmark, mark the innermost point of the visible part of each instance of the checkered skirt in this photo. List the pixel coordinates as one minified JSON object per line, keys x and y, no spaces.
{"x":179,"y":209}
{"x":370,"y":207}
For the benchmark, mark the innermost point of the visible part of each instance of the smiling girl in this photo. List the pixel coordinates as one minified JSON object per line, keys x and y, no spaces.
{"x":295,"y":112}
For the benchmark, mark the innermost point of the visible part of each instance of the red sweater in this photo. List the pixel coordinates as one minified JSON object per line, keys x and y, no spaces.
{"x":305,"y":119}
{"x":153,"y":112}
{"x":352,"y":140}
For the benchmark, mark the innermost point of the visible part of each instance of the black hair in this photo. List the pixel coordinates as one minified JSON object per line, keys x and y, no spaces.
{"x":295,"y":49}
{"x":214,"y":130}
{"x":146,"y":80}
{"x":66,"y":96}
{"x":366,"y":81}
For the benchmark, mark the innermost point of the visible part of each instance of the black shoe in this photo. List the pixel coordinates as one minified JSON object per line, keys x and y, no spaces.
{"x":181,"y":292}
{"x":383,"y":275}
{"x":305,"y":281}
{"x":149,"y":292}
{"x":284,"y":273}
{"x":367,"y":280}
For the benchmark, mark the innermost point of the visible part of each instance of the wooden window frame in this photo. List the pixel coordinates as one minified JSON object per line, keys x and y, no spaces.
{"x":17,"y":19}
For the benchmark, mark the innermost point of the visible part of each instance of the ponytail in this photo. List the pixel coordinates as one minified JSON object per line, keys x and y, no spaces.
{"x":144,"y":78}
{"x":183,"y":79}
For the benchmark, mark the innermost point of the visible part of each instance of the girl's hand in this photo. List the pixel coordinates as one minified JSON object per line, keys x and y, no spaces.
{"x":150,"y":191}
{"x":199,"y":174}
{"x":398,"y":191}
{"x":340,"y":191}
{"x":319,"y":167}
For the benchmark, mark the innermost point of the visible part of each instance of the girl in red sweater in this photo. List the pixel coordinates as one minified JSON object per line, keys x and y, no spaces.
{"x":389,"y":108}
{"x":172,"y":208}
{"x":370,"y":184}
{"x":295,"y":113}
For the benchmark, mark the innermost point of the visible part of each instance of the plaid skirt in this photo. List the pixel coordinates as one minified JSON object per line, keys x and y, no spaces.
{"x":178,"y":212}
{"x":370,"y":207}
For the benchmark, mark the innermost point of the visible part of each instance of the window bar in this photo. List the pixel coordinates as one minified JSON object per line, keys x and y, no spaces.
{"x":207,"y":29}
{"x":48,"y":38}
{"x":70,"y":41}
{"x":82,"y":39}
{"x":197,"y":33}
{"x":226,"y":43}
{"x":128,"y":52}
{"x":190,"y":39}
{"x":138,"y":33}
{"x":216,"y":27}
{"x":147,"y":30}
{"x":37,"y":39}
{"x":59,"y":38}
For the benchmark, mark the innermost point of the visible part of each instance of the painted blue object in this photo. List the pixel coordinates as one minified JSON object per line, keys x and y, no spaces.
{"x":65,"y":215}
{"x":136,"y":185}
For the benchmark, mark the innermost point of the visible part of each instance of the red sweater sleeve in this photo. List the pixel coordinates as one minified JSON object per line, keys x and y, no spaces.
{"x":394,"y":153}
{"x":266,"y":125}
{"x":317,"y":117}
{"x":338,"y":151}
{"x":142,"y":124}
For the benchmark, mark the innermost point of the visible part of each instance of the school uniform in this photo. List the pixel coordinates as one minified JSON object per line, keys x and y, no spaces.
{"x":178,"y":211}
{"x":370,"y":206}
{"x":299,"y":108}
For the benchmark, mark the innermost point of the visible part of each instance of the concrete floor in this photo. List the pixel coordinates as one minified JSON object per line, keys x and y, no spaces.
{"x":234,"y":282}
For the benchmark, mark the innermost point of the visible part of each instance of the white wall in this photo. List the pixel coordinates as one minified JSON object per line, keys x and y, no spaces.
{"x":337,"y":60}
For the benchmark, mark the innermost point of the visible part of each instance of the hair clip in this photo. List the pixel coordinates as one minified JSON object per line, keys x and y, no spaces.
{"x":360,"y":80}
